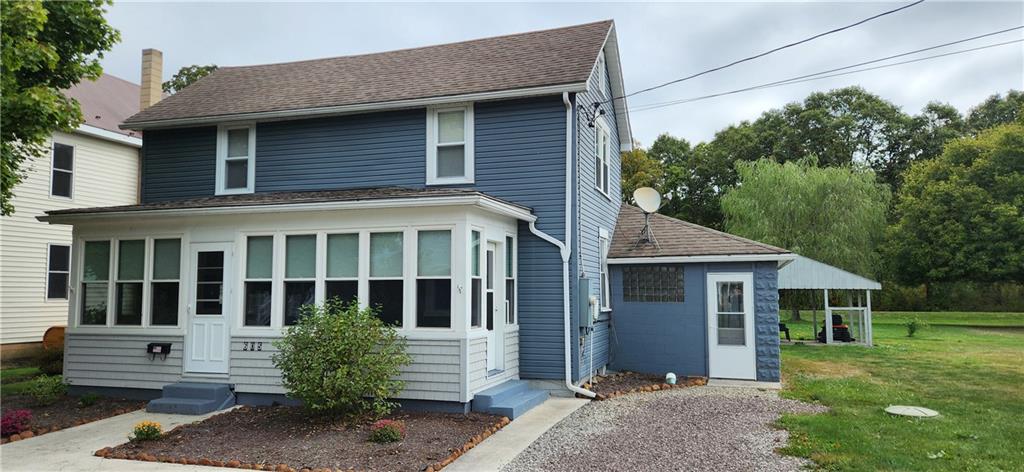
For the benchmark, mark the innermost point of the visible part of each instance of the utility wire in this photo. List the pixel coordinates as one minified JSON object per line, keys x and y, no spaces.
{"x":750,"y":58}
{"x":810,"y":77}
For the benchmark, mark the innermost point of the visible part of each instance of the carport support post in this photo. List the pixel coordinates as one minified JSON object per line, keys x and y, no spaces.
{"x":828,"y":320}
{"x":867,"y":322}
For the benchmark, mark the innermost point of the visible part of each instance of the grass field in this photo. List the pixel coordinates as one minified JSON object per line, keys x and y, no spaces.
{"x":968,"y":366}
{"x":16,"y":379}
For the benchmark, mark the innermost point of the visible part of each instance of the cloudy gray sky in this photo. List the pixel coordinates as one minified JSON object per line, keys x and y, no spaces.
{"x":658,"y":41}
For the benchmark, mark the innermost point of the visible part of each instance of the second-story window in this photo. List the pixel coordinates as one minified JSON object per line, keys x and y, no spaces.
{"x":236,"y":150}
{"x":602,"y":155}
{"x":62,"y":180}
{"x":450,"y":145}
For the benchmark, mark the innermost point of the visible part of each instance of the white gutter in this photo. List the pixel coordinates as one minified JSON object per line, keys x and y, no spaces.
{"x":357,"y":108}
{"x":108,"y":135}
{"x":784,"y":258}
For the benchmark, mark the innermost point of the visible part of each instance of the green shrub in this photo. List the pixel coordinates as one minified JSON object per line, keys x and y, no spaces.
{"x":46,"y":390}
{"x":341,"y":360}
{"x":146,"y":431}
{"x":387,"y":431}
{"x":913,"y":326}
{"x":51,"y":361}
{"x":88,"y":399}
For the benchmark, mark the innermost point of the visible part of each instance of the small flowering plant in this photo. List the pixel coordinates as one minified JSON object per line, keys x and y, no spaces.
{"x":14,"y":422}
{"x":146,"y":431}
{"x":387,"y":431}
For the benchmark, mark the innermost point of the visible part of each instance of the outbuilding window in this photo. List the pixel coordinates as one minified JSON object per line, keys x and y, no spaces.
{"x":236,"y":151}
{"x":652,"y":284}
{"x":450,"y":145}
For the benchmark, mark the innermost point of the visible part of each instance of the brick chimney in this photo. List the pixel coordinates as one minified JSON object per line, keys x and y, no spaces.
{"x":152,"y":74}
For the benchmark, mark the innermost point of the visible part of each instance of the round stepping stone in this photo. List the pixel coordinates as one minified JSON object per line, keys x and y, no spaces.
{"x":915,"y":411}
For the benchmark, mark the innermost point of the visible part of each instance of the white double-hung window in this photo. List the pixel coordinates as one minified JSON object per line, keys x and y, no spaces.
{"x":236,"y":159}
{"x":602,"y":154}
{"x":450,"y":145}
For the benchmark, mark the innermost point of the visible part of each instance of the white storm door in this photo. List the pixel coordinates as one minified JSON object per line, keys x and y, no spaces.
{"x":207,"y":343}
{"x":731,"y":350}
{"x":494,"y":305}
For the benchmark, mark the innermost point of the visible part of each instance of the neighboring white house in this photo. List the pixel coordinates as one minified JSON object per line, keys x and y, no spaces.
{"x":96,"y":165}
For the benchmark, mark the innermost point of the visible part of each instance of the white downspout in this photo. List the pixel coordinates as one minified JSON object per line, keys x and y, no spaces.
{"x":565,"y":249}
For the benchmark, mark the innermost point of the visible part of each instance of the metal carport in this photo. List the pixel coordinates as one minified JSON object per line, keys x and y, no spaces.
{"x":804,"y":273}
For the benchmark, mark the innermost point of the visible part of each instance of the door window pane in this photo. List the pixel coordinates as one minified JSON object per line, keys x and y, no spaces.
{"x":386,"y":299}
{"x":238,"y":142}
{"x":730,"y":297}
{"x":259,"y":257}
{"x":165,"y":303}
{"x":97,"y":261}
{"x":731,"y":316}
{"x":343,"y":255}
{"x":300,"y":257}
{"x":129,"y":304}
{"x":451,"y":127}
{"x":451,"y":161}
{"x":210,"y":283}
{"x":434,"y":303}
{"x":257,"y":303}
{"x":434,"y":253}
{"x":296,"y":295}
{"x":166,"y":259}
{"x":131,"y":257}
{"x":386,"y":255}
{"x":237,"y":173}
{"x":346,"y":291}
{"x":94,"y":303}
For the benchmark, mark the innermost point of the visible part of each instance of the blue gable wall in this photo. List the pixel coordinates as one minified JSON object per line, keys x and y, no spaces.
{"x":178,"y":163}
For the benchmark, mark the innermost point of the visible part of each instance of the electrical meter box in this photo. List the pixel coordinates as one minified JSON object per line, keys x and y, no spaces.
{"x":584,"y":308}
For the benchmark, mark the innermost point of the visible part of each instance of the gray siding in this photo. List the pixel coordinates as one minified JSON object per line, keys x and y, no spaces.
{"x":477,"y":363}
{"x":178,"y":164}
{"x":113,"y":360}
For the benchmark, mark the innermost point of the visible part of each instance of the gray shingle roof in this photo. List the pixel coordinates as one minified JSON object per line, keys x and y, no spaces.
{"x":552,"y":57}
{"x":106,"y":102}
{"x":678,"y":238}
{"x":285,"y":198}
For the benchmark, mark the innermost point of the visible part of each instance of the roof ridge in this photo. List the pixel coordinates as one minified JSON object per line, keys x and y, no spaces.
{"x":714,"y":231}
{"x":416,"y":48}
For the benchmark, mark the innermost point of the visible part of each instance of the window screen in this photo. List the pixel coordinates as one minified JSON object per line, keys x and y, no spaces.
{"x":654,"y":283}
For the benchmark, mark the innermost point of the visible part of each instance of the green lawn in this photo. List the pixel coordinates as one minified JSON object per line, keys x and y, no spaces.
{"x":15,"y":380}
{"x":968,"y":366}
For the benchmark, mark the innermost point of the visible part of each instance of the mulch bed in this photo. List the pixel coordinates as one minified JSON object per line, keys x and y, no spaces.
{"x":621,"y":383}
{"x":65,"y":413}
{"x":286,"y":438}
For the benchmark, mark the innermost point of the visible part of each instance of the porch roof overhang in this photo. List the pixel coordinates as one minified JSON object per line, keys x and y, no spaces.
{"x":353,"y":199}
{"x":805,"y":273}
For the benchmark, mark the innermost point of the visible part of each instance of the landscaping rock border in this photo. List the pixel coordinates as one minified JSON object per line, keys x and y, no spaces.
{"x":31,"y":433}
{"x":683,"y":383}
{"x":108,"y":453}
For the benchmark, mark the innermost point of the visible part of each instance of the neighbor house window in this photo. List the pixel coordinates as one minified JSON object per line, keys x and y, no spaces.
{"x":131,"y":262}
{"x":236,"y":148}
{"x":166,"y":277}
{"x":653,"y":283}
{"x":259,"y":265}
{"x":603,"y":154}
{"x":95,"y":280}
{"x":63,"y":169}
{"x":58,"y":265}
{"x":342,"y":280}
{"x":299,"y":275}
{"x":387,"y":284}
{"x":510,"y":279}
{"x":606,"y":297}
{"x":434,"y":279}
{"x":477,"y":284}
{"x":450,"y":145}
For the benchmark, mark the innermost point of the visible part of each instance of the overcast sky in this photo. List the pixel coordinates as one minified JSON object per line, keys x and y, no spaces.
{"x":658,"y":42}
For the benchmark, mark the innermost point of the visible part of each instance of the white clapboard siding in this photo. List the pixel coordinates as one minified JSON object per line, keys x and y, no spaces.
{"x":477,"y":364}
{"x":105,"y":173}
{"x":106,"y":360}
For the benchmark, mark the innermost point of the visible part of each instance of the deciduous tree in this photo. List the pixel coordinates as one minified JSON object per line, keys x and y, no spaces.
{"x":187,"y":76}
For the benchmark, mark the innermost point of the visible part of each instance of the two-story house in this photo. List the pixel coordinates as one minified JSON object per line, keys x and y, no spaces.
{"x":97,"y":164}
{"x":469,"y":191}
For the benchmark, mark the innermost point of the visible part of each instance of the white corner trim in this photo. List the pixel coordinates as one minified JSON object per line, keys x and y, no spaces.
{"x":109,"y":135}
{"x":697,"y":259}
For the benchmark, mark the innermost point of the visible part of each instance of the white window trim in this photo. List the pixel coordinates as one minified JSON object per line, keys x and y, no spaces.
{"x":432,"y":145}
{"x":321,"y":293}
{"x":148,"y":288}
{"x":604,"y":244}
{"x":276,"y":321}
{"x":46,"y":287}
{"x":481,"y":253}
{"x":144,"y":281}
{"x":603,"y":168}
{"x":53,"y":168}
{"x":222,"y":158}
{"x":317,"y":281}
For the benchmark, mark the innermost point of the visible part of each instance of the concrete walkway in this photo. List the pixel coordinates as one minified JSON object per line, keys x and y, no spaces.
{"x":506,"y":444}
{"x":72,"y":449}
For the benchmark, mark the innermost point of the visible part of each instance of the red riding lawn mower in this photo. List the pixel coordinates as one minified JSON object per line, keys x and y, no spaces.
{"x":840,"y":331}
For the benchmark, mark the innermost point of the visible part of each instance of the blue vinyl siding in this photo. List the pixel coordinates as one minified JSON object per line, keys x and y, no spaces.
{"x":178,"y":163}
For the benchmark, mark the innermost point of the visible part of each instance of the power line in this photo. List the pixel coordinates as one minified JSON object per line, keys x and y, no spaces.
{"x":816,"y":76}
{"x":750,"y":58}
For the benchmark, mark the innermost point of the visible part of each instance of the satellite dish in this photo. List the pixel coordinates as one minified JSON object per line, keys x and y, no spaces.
{"x":648,"y":199}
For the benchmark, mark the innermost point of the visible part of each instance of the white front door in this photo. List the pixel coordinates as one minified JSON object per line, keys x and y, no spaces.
{"x":207,"y":343}
{"x":494,"y":304}
{"x":731,"y":351}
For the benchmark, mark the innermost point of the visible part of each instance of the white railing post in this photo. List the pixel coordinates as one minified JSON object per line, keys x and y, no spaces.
{"x":828,"y":320}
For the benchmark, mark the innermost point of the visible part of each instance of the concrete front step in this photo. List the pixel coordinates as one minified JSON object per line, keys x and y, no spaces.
{"x":192,"y":398}
{"x":511,"y":399}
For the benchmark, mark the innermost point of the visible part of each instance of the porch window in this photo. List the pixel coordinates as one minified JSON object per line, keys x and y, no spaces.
{"x":434,"y":279}
{"x":342,"y":280}
{"x":63,"y":170}
{"x":235,"y":159}
{"x":131,"y":260}
{"x":58,"y":263}
{"x":95,"y":277}
{"x":299,"y":275}
{"x":510,"y":279}
{"x":477,"y":281}
{"x":450,"y":145}
{"x":602,"y":155}
{"x":387,"y":284}
{"x":166,"y":279}
{"x":259,"y":264}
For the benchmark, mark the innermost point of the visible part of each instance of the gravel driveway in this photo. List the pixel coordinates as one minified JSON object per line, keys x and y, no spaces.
{"x":702,"y":428}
